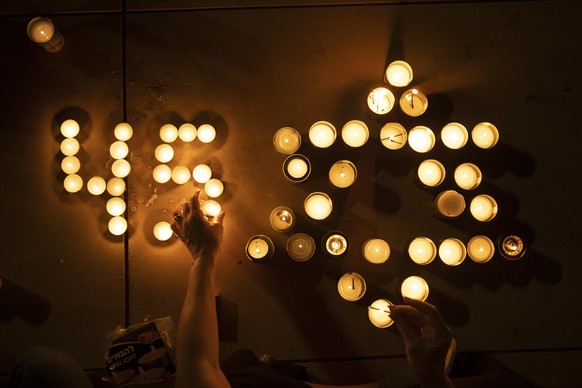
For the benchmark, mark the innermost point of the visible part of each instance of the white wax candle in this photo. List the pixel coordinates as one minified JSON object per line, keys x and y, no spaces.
{"x":413,"y":102}
{"x":468,"y":176}
{"x":343,"y":173}
{"x":70,"y":128}
{"x":162,"y":173}
{"x":70,"y":164}
{"x":483,"y":207}
{"x":322,"y":134}
{"x":431,"y":172}
{"x":163,"y":231}
{"x":335,"y":244}
{"x":379,"y":313}
{"x":393,"y":136}
{"x":282,"y":218}
{"x":355,"y":133}
{"x":318,"y":205}
{"x":380,"y":100}
{"x":399,"y":74}
{"x":414,"y":287}
{"x":351,"y":286}
{"x":164,"y":153}
{"x":117,"y":225}
{"x":422,"y":250}
{"x":168,"y":133}
{"x":70,"y":146}
{"x":73,"y":183}
{"x":115,"y":186}
{"x":121,"y":168}
{"x":187,"y":132}
{"x":213,"y":188}
{"x":480,"y":249}
{"x":211,"y":208}
{"x":286,"y":141}
{"x":297,"y":168}
{"x":421,"y":139}
{"x":454,"y":136}
{"x":300,"y":247}
{"x":259,"y":248}
{"x":40,"y":30}
{"x":202,"y":173}
{"x":512,"y":247}
{"x":118,"y":149}
{"x":115,"y":206}
{"x":376,"y":251}
{"x":452,"y":251}
{"x":206,"y":133}
{"x":181,"y":175}
{"x":449,"y":204}
{"x":96,"y":185}
{"x":485,"y":135}
{"x":123,"y":131}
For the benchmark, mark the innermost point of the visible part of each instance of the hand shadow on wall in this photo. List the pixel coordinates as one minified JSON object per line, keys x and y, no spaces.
{"x":17,"y":302}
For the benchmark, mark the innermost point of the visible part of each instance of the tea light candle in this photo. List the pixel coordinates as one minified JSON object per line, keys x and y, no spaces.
{"x":380,"y":100}
{"x":483,"y":207}
{"x":117,"y":225}
{"x":452,"y":251}
{"x":322,"y":134}
{"x":282,"y":219}
{"x":343,"y":174}
{"x":123,"y":131}
{"x":168,"y":133}
{"x":96,"y":185}
{"x":181,"y":175}
{"x":201,"y":173}
{"x":468,"y":176}
{"x":512,"y":247}
{"x":70,"y":146}
{"x":115,"y":206}
{"x":162,"y":173}
{"x":300,"y":247}
{"x":399,"y":74}
{"x":449,"y":204}
{"x":121,"y":168}
{"x":413,"y":102}
{"x":118,"y":149}
{"x":480,"y":249}
{"x":115,"y":186}
{"x":393,"y":136}
{"x":296,"y":168}
{"x":351,"y":286}
{"x":421,"y":139}
{"x":70,"y":128}
{"x":73,"y":183}
{"x":164,"y":153}
{"x":355,"y":133}
{"x":286,"y":141}
{"x":376,"y":251}
{"x":414,"y":287}
{"x":70,"y":164}
{"x":211,"y":208}
{"x":379,"y":313}
{"x":431,"y":172}
{"x":206,"y":133}
{"x":213,"y":188}
{"x":335,"y":244}
{"x":318,"y":205}
{"x":485,"y":135}
{"x":259,"y":248}
{"x":187,"y":132}
{"x":422,"y":250}
{"x":42,"y":31}
{"x":454,"y":135}
{"x":163,"y":231}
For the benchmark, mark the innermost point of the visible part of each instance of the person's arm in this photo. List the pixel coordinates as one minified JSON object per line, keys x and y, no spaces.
{"x":197,"y":356}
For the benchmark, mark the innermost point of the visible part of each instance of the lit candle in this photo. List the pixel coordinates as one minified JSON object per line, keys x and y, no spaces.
{"x":121,"y":168}
{"x":296,"y":168}
{"x":449,"y":204}
{"x":468,"y":176}
{"x":164,"y":153}
{"x":115,"y":206}
{"x":70,"y":128}
{"x":206,"y":133}
{"x":399,"y":74}
{"x":318,"y":205}
{"x":376,"y":250}
{"x":380,"y":100}
{"x":42,"y":31}
{"x":431,"y":172}
{"x":259,"y":248}
{"x":73,"y":183}
{"x":343,"y":174}
{"x":322,"y":134}
{"x":355,"y":133}
{"x":123,"y":131}
{"x":282,"y":219}
{"x":351,"y":286}
{"x":168,"y":133}
{"x":421,"y":139}
{"x":117,"y":225}
{"x":187,"y":132}
{"x":483,"y":207}
{"x":379,"y":313}
{"x":96,"y":185}
{"x":287,"y":141}
{"x":335,"y":244}
{"x":454,"y":135}
{"x":393,"y":136}
{"x":201,"y":173}
{"x":115,"y":186}
{"x":452,"y":251}
{"x":414,"y":287}
{"x":485,"y":135}
{"x":422,"y":250}
{"x":213,"y":188}
{"x":413,"y":102}
{"x":480,"y":249}
{"x":70,"y":146}
{"x":162,"y":173}
{"x":181,"y":174}
{"x":70,"y":164}
{"x":211,"y":208}
{"x":512,"y":247}
{"x":163,"y":231}
{"x":118,"y":149}
{"x":300,"y":247}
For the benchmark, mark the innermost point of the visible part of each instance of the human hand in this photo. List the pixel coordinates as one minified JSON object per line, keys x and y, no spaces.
{"x":200,"y":234}
{"x":427,"y":340}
